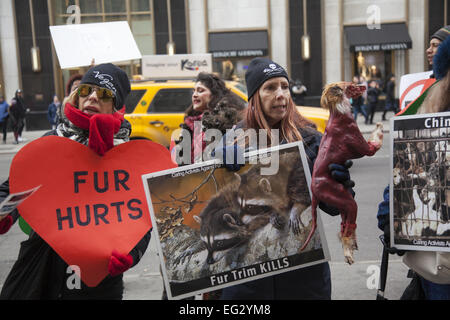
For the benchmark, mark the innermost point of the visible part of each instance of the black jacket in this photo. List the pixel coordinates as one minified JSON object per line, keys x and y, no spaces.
{"x":39,"y":272}
{"x":17,"y":109}
{"x":372,"y":95}
{"x":390,"y":91}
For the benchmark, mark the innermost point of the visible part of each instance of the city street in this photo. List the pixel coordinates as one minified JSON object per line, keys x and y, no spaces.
{"x":355,"y":282}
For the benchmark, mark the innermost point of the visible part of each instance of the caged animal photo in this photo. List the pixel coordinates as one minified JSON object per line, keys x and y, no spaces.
{"x":211,"y":220}
{"x":421,"y":186}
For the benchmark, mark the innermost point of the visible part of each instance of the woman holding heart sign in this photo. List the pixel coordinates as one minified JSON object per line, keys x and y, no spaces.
{"x":95,"y":118}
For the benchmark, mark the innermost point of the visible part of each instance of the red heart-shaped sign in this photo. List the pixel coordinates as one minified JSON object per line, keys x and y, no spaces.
{"x":87,"y":205}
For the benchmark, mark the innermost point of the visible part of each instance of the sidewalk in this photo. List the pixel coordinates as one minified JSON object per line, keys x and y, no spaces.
{"x":368,"y":128}
{"x":28,"y":136}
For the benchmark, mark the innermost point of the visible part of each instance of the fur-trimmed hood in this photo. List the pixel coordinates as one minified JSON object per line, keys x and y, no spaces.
{"x":441,"y":61}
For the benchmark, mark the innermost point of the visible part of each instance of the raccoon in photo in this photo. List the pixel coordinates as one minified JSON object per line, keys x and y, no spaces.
{"x":279,"y":197}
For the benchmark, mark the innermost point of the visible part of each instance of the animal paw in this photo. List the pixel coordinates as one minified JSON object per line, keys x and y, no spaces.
{"x":182,"y":257}
{"x":277,"y":221}
{"x":349,"y":245}
{"x":188,"y":253}
{"x":295,"y":223}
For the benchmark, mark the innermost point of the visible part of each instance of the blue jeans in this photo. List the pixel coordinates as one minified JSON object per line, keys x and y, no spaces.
{"x":359,"y":109}
{"x":435,"y":291}
{"x":390,"y":106}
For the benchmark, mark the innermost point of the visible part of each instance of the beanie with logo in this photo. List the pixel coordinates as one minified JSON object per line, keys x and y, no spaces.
{"x":259,"y":71}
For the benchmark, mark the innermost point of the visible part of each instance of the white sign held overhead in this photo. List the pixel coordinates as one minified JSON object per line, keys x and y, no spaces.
{"x":176,"y":66}
{"x":77,"y":44}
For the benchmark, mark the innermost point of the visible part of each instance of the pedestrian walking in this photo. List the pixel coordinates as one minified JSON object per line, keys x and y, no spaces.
{"x":39,"y":272}
{"x":298,"y":92}
{"x":372,"y":100}
{"x":52,"y":112}
{"x":17,"y":112}
{"x":357,"y":103}
{"x":4,"y":116}
{"x":390,"y":98}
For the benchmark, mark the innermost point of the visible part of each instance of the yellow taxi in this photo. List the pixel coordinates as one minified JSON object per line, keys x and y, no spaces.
{"x":155,"y":108}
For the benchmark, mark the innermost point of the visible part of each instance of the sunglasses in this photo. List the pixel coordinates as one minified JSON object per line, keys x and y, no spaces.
{"x":85,"y":90}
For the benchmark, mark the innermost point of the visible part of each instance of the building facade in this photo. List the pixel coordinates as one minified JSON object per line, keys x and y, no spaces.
{"x":317,"y":41}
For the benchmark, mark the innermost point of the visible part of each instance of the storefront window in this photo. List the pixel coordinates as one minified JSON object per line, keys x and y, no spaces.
{"x":141,"y":26}
{"x":91,"y":19}
{"x":115,"y":6}
{"x":90,"y":6}
{"x":231,"y":69}
{"x":373,"y":65}
{"x":60,"y":7}
{"x":140,"y":5}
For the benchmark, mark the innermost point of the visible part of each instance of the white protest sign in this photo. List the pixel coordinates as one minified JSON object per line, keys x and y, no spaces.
{"x":77,"y":44}
{"x":411,"y":86}
{"x":13,"y":200}
{"x":176,"y":66}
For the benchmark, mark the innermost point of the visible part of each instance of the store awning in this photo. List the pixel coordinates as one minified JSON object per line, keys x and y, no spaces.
{"x":238,"y":44}
{"x":390,"y":36}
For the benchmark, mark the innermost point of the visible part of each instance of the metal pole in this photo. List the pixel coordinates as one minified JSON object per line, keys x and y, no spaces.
{"x":169,"y":20}
{"x":170,"y":45}
{"x":35,"y":54}
{"x":33,"y":32}
{"x":305,"y":18}
{"x":445,"y":11}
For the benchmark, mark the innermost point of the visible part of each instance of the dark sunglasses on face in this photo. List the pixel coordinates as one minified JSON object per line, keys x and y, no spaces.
{"x":85,"y":90}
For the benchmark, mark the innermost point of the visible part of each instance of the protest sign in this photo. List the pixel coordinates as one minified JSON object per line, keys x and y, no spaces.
{"x":419,"y":189}
{"x":77,"y":44}
{"x":216,"y":228}
{"x":412,"y":86}
{"x":88,"y":205}
{"x":13,"y":200}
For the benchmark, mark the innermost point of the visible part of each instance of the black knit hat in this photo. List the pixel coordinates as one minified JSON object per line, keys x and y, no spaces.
{"x":442,"y":33}
{"x":259,"y":71}
{"x":111,"y":77}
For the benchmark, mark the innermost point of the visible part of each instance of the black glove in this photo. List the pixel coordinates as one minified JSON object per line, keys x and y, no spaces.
{"x":238,"y":157}
{"x":342,"y":175}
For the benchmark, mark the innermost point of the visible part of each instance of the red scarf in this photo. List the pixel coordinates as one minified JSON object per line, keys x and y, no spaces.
{"x":198,"y":143}
{"x":101,"y":127}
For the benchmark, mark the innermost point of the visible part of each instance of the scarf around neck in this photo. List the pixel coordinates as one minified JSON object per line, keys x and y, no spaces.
{"x":100,"y":132}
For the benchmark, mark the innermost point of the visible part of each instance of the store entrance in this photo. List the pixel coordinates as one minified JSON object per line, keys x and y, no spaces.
{"x":373,"y":65}
{"x":231,"y":69}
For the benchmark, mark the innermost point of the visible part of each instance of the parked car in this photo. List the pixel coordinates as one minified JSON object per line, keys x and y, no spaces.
{"x":155,"y":108}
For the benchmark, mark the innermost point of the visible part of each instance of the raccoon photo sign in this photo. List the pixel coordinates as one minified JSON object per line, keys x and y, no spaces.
{"x":419,"y":190}
{"x":216,"y":228}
